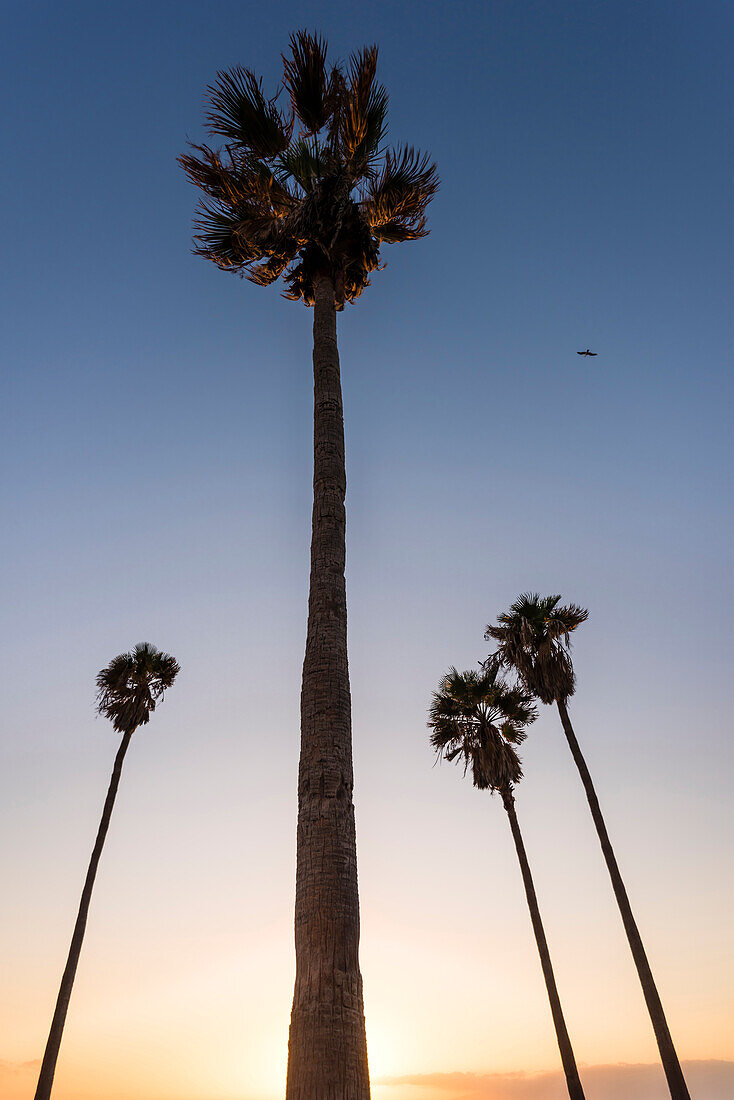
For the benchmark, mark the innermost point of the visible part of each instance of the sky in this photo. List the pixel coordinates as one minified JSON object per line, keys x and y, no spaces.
{"x":155,"y":438}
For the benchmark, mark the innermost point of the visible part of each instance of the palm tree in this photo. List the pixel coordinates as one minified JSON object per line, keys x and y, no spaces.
{"x":534,"y":639}
{"x":127,"y":693}
{"x":309,"y":194}
{"x":476,"y":717}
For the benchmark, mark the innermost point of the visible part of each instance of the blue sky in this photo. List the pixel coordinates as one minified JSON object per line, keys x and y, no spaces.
{"x":155,"y":433}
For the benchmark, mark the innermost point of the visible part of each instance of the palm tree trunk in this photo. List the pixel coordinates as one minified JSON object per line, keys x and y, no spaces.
{"x":327,"y":1047}
{"x":668,"y":1056}
{"x":48,"y":1066}
{"x":573,"y":1082}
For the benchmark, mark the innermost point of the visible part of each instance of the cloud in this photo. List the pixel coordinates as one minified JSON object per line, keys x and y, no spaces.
{"x":12,"y":1068}
{"x":17,"y":1079}
{"x":708,"y":1080}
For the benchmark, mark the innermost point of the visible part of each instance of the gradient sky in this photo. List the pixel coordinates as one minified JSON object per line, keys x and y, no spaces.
{"x":155,"y":438}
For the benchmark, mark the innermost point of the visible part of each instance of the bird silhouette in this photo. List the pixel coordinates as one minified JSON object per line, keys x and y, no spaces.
{"x":587,"y":352}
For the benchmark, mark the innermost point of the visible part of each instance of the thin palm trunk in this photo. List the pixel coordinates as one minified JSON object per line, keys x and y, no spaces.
{"x":327,"y":1047}
{"x":573,"y":1082}
{"x":668,"y":1056}
{"x":48,"y":1066}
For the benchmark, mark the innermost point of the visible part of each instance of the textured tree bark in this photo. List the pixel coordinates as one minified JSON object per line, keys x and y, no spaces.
{"x":668,"y":1056}
{"x":48,"y":1066}
{"x":573,"y":1082}
{"x":327,"y":1047}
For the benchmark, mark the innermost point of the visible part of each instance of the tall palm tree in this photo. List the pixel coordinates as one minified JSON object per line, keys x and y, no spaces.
{"x":534,"y":638}
{"x":476,"y":717}
{"x":309,"y":193}
{"x":127,"y":693}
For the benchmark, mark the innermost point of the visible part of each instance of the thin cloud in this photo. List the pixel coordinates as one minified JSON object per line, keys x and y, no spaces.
{"x":18,"y":1067}
{"x":709,"y":1079}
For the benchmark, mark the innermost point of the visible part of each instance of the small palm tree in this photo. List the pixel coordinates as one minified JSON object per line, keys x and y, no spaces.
{"x":309,"y":194}
{"x":534,"y":638}
{"x":127,"y":693}
{"x":476,"y":717}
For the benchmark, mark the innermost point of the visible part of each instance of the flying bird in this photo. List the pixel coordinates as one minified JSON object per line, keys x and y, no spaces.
{"x":587,"y":352}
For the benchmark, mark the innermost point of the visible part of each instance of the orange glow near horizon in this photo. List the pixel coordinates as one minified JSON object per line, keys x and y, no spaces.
{"x":185,"y":994}
{"x":217,"y":1028}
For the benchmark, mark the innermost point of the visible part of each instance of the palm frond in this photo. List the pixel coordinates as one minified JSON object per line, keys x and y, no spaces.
{"x":394,"y":232}
{"x":229,"y":238}
{"x":304,"y":161}
{"x":306,"y":80}
{"x":257,"y":183}
{"x":240,"y":112}
{"x":495,"y":764}
{"x":247,"y":203}
{"x":363,"y":120}
{"x":361,"y":74}
{"x":218,"y":180}
{"x":266,"y":273}
{"x":402,"y":191}
{"x":565,"y":619}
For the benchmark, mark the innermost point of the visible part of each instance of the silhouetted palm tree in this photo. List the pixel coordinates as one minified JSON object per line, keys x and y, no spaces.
{"x":534,"y":639}
{"x":310,"y":194}
{"x":476,"y":717}
{"x":127,"y":693}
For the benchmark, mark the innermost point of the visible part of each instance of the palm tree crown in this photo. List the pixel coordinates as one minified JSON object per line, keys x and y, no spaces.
{"x":534,"y":639}
{"x":310,"y":191}
{"x":129,"y":688}
{"x":478,"y":717}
